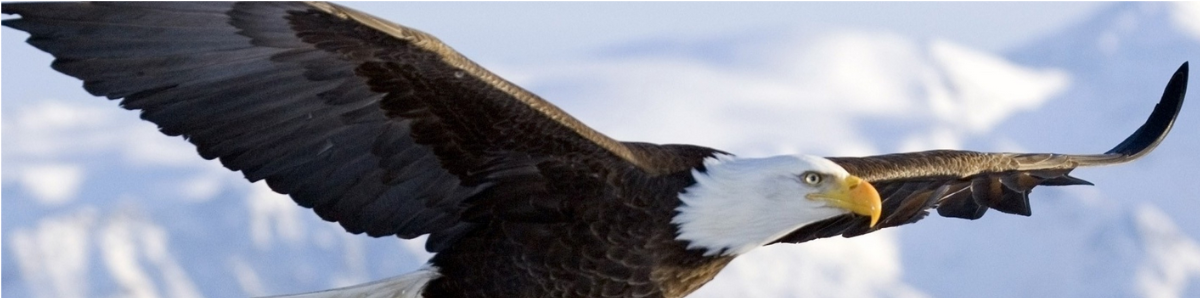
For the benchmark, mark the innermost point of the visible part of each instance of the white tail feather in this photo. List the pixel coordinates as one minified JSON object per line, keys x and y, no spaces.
{"x":405,"y":286}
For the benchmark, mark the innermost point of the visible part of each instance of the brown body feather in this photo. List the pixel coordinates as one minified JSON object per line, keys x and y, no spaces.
{"x":388,"y":131}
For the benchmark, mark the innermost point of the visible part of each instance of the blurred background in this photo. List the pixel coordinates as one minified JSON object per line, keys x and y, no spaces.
{"x":96,"y":203}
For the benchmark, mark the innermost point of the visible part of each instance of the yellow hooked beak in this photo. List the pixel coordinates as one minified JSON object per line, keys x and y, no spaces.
{"x":855,"y":195}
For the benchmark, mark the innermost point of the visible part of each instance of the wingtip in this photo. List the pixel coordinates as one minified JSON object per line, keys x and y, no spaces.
{"x":1151,"y":133}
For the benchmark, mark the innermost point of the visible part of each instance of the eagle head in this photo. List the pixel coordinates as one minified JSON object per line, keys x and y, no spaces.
{"x":738,"y":204}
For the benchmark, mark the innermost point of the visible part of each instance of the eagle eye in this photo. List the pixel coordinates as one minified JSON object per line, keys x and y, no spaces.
{"x":811,"y":178}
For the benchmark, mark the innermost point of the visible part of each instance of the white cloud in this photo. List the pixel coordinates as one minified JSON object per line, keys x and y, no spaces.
{"x":354,"y":257}
{"x":247,"y":277}
{"x":816,"y":95}
{"x":1186,"y":15}
{"x":52,"y":184}
{"x":272,"y":215}
{"x":57,"y":115}
{"x":6,"y":172}
{"x":53,"y":255}
{"x":53,"y":128}
{"x":936,"y":138}
{"x":983,"y":89}
{"x":867,"y":266}
{"x":137,"y":256}
{"x":121,"y":259}
{"x":155,"y":248}
{"x":204,"y":186}
{"x":1121,"y":27}
{"x":142,"y":144}
{"x":1172,"y":260}
{"x":792,"y":98}
{"x":58,"y":129}
{"x":851,"y":72}
{"x":416,"y":247}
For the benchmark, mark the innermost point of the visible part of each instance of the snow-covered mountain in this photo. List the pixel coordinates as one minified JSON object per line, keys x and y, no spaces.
{"x":1137,"y":41}
{"x":1086,"y":241}
{"x":98,"y":204}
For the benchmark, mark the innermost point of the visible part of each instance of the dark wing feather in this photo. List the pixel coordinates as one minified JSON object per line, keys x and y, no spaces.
{"x":965,"y":184}
{"x":379,"y":127}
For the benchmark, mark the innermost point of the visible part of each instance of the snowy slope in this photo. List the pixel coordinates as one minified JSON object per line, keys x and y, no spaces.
{"x":97,"y":204}
{"x":1080,"y":238}
{"x":1138,"y":41}
{"x":153,"y":225}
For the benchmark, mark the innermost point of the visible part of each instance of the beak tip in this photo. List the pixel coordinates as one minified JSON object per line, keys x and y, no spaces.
{"x":858,"y":197}
{"x":866,"y":191}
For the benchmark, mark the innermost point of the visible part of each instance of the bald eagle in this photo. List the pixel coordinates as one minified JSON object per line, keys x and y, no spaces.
{"x":389,"y":132}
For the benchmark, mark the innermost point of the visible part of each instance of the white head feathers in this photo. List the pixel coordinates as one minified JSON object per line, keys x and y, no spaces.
{"x":739,"y":204}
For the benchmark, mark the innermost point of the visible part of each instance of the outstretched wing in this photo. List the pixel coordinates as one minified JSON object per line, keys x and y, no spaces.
{"x":965,"y":184}
{"x":379,"y":127}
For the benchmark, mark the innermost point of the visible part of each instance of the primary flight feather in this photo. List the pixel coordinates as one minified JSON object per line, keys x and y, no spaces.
{"x":388,"y":131}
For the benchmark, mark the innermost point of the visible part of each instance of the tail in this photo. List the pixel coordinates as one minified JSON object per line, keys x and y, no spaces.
{"x":405,"y":286}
